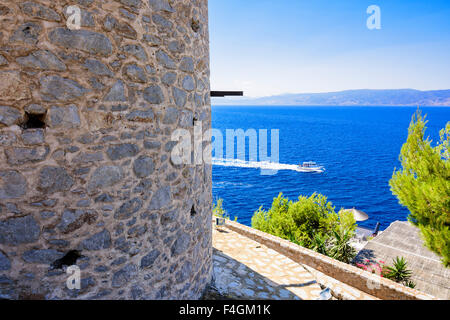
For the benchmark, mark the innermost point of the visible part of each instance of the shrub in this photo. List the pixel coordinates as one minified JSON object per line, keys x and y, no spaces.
{"x":340,"y":246}
{"x":310,"y":222}
{"x":423,"y":185}
{"x":320,"y":243}
{"x":220,"y":212}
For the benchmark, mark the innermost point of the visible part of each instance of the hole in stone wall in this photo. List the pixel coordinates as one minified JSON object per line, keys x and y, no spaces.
{"x":193,"y":212}
{"x":68,"y":260}
{"x":34,"y":121}
{"x":195,"y":25}
{"x":26,"y":30}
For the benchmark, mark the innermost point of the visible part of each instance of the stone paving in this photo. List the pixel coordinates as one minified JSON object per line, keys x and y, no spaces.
{"x":245,"y":269}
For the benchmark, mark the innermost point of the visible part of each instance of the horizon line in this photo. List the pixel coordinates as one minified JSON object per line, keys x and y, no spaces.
{"x":325,"y":92}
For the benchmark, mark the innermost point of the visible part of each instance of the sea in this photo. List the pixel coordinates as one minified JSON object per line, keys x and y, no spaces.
{"x":359,"y":148}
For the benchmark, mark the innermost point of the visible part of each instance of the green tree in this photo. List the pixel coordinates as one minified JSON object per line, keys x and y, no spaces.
{"x":219,"y":211}
{"x":423,"y":185}
{"x":310,"y":222}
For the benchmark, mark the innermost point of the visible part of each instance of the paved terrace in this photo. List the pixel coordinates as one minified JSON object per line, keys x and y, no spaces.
{"x":246,"y":269}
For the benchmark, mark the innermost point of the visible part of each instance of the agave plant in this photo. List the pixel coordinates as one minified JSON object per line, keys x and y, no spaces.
{"x":320,"y":244}
{"x":399,"y":272}
{"x":410,"y":284}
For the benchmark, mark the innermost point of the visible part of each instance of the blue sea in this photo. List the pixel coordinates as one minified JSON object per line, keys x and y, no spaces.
{"x":358,"y":146}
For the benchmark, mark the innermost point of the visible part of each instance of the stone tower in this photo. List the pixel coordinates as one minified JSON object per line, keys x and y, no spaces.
{"x":86,"y":174}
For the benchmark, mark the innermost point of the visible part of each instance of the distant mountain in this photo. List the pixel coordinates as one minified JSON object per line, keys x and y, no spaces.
{"x":401,"y":97}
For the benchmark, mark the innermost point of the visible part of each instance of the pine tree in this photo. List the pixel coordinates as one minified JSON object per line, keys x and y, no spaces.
{"x":423,"y":185}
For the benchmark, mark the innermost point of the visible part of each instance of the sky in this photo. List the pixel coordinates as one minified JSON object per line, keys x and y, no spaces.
{"x":270,"y":47}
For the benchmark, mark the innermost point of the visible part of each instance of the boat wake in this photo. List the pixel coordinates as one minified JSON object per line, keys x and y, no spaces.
{"x":263,"y":165}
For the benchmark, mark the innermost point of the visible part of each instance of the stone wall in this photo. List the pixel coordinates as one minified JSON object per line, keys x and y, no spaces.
{"x":86,"y":177}
{"x":333,"y":270}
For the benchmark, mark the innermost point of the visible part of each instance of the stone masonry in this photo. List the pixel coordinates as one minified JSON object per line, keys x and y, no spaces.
{"x":86,"y":176}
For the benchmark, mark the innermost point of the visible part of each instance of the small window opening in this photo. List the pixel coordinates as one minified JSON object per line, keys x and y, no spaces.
{"x":27,"y":30}
{"x":34,"y":121}
{"x":68,"y":260}
{"x":195,"y":25}
{"x":193,"y":212}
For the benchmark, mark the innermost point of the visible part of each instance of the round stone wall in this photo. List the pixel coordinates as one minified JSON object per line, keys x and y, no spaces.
{"x":86,"y":174}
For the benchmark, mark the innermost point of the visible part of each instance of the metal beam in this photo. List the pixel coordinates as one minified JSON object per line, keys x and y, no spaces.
{"x":227,"y":94}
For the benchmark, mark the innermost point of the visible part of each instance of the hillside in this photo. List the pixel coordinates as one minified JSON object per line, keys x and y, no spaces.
{"x":401,"y":97}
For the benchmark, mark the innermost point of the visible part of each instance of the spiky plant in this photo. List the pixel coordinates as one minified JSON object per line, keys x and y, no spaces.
{"x":340,"y":246}
{"x":399,"y":271}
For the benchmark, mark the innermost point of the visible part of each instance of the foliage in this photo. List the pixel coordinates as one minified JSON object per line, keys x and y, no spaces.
{"x":398,"y":272}
{"x":423,"y":185}
{"x":347,"y":222}
{"x":320,"y":244}
{"x":310,"y":222}
{"x":220,"y":212}
{"x":340,"y":246}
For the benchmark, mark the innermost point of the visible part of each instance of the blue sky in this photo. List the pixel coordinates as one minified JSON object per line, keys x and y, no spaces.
{"x":268,"y":47}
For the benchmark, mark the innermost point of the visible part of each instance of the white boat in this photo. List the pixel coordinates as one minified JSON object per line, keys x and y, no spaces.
{"x":310,"y":167}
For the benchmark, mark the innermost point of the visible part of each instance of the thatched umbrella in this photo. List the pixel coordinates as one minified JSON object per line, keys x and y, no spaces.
{"x":358,"y":214}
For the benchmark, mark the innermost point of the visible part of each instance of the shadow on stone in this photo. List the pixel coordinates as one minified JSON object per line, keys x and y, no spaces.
{"x":299,"y":285}
{"x":364,"y":255}
{"x":234,"y":280}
